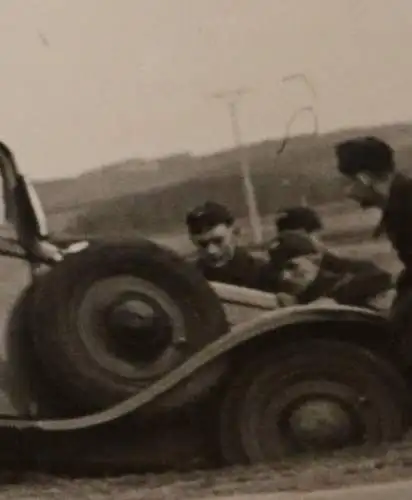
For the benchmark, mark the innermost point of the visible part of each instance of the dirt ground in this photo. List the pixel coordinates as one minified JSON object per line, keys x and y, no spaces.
{"x":346,"y":469}
{"x":386,"y":464}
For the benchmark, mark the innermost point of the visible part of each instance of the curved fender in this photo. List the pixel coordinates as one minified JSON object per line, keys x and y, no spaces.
{"x":294,"y":315}
{"x":238,"y":335}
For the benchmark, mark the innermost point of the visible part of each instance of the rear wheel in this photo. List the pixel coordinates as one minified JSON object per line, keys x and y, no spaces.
{"x":113,"y":319}
{"x":317,"y":396}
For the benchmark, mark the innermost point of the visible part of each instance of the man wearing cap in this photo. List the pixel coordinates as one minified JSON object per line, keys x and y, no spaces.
{"x":369,"y":164}
{"x":307,"y":222}
{"x":297,"y":219}
{"x":212,"y":229}
{"x":301,"y":219}
{"x":307,"y":274}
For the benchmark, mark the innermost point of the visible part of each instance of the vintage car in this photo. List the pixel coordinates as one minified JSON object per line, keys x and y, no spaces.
{"x":121,"y":354}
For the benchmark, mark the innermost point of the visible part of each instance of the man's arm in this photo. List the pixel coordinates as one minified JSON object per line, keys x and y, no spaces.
{"x":363,"y":281}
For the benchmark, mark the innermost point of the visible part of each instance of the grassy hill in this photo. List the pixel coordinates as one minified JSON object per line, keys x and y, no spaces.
{"x":153,"y":196}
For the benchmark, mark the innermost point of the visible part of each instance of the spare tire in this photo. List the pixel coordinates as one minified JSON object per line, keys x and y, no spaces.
{"x":116,"y":317}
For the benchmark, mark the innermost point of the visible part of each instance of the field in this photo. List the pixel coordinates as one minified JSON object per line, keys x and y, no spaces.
{"x":140,"y":195}
{"x":347,"y":237}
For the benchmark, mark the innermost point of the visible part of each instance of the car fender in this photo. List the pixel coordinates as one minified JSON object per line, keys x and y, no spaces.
{"x":271,"y":323}
{"x":262,"y":325}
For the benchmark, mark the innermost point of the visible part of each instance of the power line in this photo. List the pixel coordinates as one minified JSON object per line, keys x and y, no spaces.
{"x":232,"y":99}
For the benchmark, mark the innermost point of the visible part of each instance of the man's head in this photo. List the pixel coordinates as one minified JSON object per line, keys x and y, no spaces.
{"x":298,"y":218}
{"x":368,"y":163}
{"x":297,"y":259}
{"x":211,"y":228}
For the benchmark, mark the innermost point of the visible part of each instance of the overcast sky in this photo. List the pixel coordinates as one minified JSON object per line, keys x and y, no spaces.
{"x":86,"y":82}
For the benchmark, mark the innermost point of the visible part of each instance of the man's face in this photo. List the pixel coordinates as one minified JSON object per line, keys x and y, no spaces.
{"x":216,"y":245}
{"x":363,"y":189}
{"x":298,"y":274}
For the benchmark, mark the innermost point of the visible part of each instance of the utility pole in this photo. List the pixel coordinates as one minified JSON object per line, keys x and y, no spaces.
{"x":232,"y":99}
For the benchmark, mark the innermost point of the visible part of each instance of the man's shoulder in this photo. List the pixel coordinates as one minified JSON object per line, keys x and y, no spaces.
{"x":343,"y":262}
{"x":257,"y":267}
{"x":402,"y":188}
{"x":244,"y":254}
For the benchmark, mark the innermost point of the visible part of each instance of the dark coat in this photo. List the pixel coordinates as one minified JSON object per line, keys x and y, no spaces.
{"x":243,"y":269}
{"x":347,"y":281}
{"x":396,"y":222}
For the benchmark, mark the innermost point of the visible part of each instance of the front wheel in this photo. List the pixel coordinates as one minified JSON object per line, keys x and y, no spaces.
{"x":315,"y":396}
{"x":117,"y":317}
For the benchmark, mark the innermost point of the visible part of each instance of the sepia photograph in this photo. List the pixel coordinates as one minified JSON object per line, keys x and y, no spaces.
{"x":216,"y":303}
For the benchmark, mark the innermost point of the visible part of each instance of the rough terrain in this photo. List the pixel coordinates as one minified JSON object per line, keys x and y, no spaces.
{"x":349,"y":469}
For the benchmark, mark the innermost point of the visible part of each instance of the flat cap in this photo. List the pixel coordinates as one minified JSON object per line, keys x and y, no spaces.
{"x":291,"y":245}
{"x":208,"y":215}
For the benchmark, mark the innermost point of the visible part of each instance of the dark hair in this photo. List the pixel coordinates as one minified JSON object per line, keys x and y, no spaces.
{"x":365,"y":154}
{"x":294,"y":218}
{"x":207,"y":216}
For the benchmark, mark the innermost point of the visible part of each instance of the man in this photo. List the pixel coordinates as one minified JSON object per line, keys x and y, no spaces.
{"x":306,"y":274}
{"x":212,"y":229}
{"x":298,"y":218}
{"x":369,"y":165}
{"x":306,"y":221}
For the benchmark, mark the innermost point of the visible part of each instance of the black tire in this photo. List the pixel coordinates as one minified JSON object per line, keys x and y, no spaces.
{"x":30,"y":390}
{"x":370,"y":388}
{"x":19,"y":383}
{"x":69,"y":309}
{"x":230,"y":442}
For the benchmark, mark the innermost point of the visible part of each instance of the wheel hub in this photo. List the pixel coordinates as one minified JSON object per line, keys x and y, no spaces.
{"x":131,"y":328}
{"x":320,"y":422}
{"x":137,"y":330}
{"x":311,"y":415}
{"x":132,"y":314}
